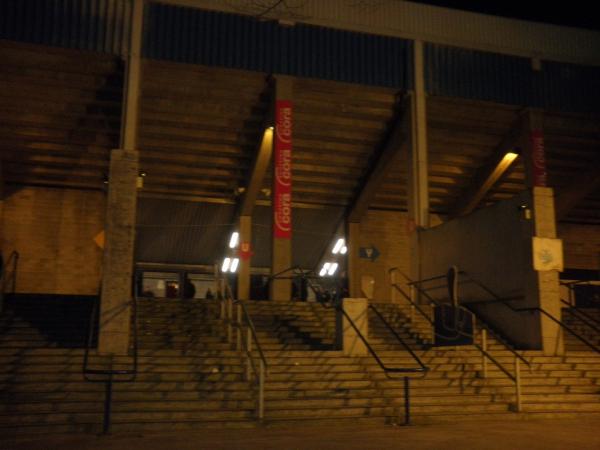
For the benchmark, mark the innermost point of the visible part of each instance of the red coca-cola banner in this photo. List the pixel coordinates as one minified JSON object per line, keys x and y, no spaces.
{"x":540,"y":176}
{"x":282,"y":171}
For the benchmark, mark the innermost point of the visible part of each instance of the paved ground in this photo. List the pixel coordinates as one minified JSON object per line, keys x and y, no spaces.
{"x":513,"y":435}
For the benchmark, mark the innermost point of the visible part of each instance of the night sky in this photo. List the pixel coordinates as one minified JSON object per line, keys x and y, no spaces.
{"x":574,"y":13}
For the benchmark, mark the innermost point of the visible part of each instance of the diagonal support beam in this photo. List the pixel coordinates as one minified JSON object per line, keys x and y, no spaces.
{"x":586,"y":183}
{"x":262,"y":159}
{"x":489,"y":174}
{"x":397,"y":138}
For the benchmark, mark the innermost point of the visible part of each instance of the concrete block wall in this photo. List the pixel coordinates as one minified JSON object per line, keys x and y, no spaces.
{"x":53,"y":230}
{"x":387,"y":231}
{"x":581,"y":245}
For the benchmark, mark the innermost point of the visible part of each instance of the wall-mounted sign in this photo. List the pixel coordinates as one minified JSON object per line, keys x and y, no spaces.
{"x":371,"y":253}
{"x":547,"y":254}
{"x":282,"y":171}
{"x":540,"y":176}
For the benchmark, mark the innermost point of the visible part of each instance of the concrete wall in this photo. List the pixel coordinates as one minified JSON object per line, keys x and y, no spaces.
{"x":494,"y":246}
{"x":387,"y":231}
{"x":53,"y":230}
{"x":581,"y":244}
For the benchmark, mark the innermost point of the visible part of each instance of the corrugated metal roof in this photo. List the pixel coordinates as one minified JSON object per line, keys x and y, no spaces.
{"x":180,"y":232}
{"x":434,"y":24}
{"x":237,"y":41}
{"x":97,"y":25}
{"x":457,"y":72}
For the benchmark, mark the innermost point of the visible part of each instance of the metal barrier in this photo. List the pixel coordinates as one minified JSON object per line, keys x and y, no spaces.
{"x":485,"y":355}
{"x":307,"y":275}
{"x":107,"y":376}
{"x":505,"y":302}
{"x":243,"y":341}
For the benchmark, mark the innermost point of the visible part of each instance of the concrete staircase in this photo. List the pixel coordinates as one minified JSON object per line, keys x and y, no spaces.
{"x":556,"y":386}
{"x":191,"y":377}
{"x":188,"y":377}
{"x":579,"y":320}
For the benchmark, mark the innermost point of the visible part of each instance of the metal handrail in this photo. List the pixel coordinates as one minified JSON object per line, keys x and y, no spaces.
{"x":516,"y":378}
{"x":398,"y":337}
{"x":387,"y":370}
{"x":595,"y":326}
{"x":479,"y":319}
{"x":246,"y":344}
{"x":110,"y":373}
{"x":13,"y":259}
{"x":504,"y":302}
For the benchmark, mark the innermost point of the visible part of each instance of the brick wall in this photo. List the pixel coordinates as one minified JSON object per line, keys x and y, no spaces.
{"x":53,"y":230}
{"x":387,"y":231}
{"x":581,"y":246}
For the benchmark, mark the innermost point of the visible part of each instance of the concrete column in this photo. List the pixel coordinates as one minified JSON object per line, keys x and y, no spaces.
{"x":115,"y":314}
{"x":357,"y":310}
{"x":418,"y":170}
{"x":353,"y":258}
{"x":243,"y":285}
{"x":547,"y":281}
{"x":418,"y":201}
{"x":281,"y":290}
{"x":117,"y":267}
{"x":544,"y":284}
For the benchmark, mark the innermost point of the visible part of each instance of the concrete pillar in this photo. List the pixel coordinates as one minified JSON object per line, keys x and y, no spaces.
{"x":117,"y":268}
{"x":544,"y":284}
{"x":418,"y":170}
{"x":357,"y":310}
{"x":547,"y":282}
{"x":281,"y":290}
{"x":353,"y":258}
{"x":245,"y":255}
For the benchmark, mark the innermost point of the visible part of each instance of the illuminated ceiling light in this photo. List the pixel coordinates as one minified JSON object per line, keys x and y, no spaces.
{"x":344,"y":250}
{"x":143,"y":174}
{"x":271,"y":128}
{"x":324,"y":269}
{"x":226,"y":263}
{"x":510,"y":157}
{"x":332,"y":269}
{"x":233,"y":240}
{"x":338,"y":245}
{"x":234,"y":265}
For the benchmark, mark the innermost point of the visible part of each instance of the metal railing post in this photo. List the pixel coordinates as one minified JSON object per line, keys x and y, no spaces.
{"x":229,"y":320}
{"x":261,"y":391}
{"x":484,"y":368}
{"x":518,"y":384}
{"x":107,"y":405}
{"x":249,"y":339}
{"x":392,"y":288}
{"x":239,"y":327}
{"x":406,"y":401}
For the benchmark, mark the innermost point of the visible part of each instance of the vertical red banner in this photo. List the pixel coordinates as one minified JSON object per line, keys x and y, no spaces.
{"x":538,"y":156}
{"x":282,"y":171}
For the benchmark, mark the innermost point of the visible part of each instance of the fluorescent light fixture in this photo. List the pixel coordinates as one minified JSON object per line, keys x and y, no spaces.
{"x":324,"y":269}
{"x":510,"y":157}
{"x":233,"y":240}
{"x":344,"y":250}
{"x":234,"y":265}
{"x":226,"y":263}
{"x":338,"y":245}
{"x":332,"y":269}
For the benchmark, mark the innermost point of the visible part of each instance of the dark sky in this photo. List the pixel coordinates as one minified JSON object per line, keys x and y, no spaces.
{"x":574,"y":13}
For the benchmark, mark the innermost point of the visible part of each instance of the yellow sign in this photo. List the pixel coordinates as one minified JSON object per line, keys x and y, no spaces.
{"x":547,"y":254}
{"x":99,"y":239}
